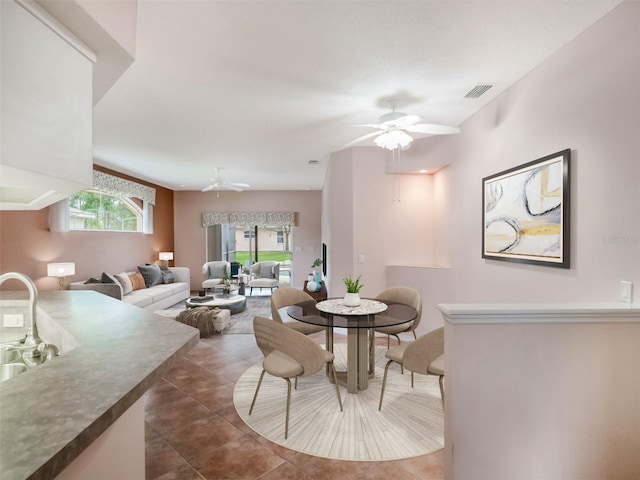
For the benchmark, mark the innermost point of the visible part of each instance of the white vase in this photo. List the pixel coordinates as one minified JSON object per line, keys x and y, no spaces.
{"x":351,"y":299}
{"x":312,"y":286}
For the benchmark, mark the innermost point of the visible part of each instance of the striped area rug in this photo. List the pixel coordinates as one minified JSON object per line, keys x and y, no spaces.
{"x":411,"y":422}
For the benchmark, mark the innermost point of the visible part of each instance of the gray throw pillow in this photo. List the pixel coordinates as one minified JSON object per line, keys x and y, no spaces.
{"x":216,"y":271}
{"x":152,"y":275}
{"x":108,"y":278}
{"x":168,"y":277}
{"x":266,"y":271}
{"x":91,"y":281}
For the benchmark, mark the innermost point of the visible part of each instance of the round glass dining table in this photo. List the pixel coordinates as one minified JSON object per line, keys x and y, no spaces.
{"x":359,"y":322}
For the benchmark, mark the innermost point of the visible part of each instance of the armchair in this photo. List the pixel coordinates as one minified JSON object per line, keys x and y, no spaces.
{"x":264,"y":275}
{"x":213,"y":272}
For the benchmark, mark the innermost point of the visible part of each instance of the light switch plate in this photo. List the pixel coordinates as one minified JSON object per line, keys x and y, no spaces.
{"x":13,"y":320}
{"x":626,"y":292}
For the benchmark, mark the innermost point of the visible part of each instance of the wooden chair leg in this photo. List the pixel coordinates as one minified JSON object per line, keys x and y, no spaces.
{"x":255,"y":395}
{"x":335,"y":381}
{"x":440,"y":381}
{"x":384,"y":382}
{"x":411,"y":378}
{"x":286,"y":424}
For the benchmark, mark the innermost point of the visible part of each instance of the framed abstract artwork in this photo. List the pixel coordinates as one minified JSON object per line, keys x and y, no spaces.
{"x":525,"y":212}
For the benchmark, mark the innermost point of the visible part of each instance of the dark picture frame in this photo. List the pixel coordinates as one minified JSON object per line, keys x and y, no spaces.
{"x":525,"y":212}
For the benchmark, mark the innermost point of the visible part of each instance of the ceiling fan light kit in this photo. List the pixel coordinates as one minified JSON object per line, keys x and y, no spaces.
{"x":395,"y":125}
{"x":394,"y":139}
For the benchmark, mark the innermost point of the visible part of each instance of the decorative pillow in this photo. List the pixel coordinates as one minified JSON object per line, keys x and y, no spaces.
{"x":151,"y":273}
{"x":92,"y":280}
{"x":168,"y":277}
{"x":266,"y":271}
{"x":108,"y":278}
{"x":124,"y":280}
{"x":137,"y":281}
{"x":216,"y":271}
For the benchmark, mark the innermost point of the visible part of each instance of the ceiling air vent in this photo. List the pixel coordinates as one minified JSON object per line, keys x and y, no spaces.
{"x":313,"y":162}
{"x":477,"y":91}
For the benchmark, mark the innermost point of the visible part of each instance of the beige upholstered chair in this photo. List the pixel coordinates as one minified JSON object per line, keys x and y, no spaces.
{"x":424,"y":355}
{"x":264,"y":275}
{"x":289,"y":354}
{"x":213,"y":273}
{"x":408,"y":296}
{"x":286,"y":296}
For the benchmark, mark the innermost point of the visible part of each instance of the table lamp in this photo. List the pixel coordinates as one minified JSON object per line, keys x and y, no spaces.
{"x":61,"y":270}
{"x":166,"y":256}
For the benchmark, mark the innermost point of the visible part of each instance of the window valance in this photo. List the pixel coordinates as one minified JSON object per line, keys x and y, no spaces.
{"x":120,"y":186}
{"x":261,"y":219}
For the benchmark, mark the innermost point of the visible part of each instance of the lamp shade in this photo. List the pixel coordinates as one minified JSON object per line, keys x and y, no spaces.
{"x":61,"y":269}
{"x":166,"y":256}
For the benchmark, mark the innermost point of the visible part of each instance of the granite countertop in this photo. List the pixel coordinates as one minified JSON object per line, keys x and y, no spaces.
{"x":51,"y":413}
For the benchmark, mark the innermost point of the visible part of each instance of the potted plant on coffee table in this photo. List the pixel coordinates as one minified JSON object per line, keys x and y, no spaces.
{"x":352,"y":297}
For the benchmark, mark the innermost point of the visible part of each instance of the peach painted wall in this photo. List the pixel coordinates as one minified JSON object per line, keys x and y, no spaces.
{"x":190,"y":235}
{"x":27,"y":245}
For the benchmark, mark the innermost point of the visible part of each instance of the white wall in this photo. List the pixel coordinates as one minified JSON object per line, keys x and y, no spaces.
{"x":385,"y":218}
{"x":189,"y":236}
{"x":586,"y":97}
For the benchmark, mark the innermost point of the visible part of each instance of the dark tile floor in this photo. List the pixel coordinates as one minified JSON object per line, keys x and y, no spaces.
{"x":194,"y":432}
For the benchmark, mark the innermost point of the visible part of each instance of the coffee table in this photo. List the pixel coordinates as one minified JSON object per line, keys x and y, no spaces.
{"x":233,"y":302}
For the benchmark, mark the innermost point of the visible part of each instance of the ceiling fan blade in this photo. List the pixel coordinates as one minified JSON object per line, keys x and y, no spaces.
{"x":208,"y":187}
{"x":239,"y":185}
{"x":407,"y":120}
{"x":235,"y":187}
{"x":362,"y":138}
{"x":431,"y":129}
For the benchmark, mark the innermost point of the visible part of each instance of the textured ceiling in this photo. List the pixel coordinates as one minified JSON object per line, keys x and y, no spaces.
{"x":261,"y":88}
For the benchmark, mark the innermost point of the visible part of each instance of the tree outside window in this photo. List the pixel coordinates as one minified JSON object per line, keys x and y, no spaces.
{"x":96,"y":210}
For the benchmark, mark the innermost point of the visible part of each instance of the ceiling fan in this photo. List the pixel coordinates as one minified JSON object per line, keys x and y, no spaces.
{"x":394,"y":127}
{"x":218,"y":183}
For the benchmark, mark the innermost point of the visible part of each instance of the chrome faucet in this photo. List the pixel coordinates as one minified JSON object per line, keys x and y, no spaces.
{"x":32,"y":351}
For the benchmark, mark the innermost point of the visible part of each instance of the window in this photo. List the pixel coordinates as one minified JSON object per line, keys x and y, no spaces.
{"x":280,"y":236}
{"x":96,"y":210}
{"x":249,"y":234}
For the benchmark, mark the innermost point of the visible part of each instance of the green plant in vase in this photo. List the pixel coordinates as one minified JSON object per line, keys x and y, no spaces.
{"x":352,"y":297}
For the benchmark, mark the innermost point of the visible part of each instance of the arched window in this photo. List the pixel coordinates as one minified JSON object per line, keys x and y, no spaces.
{"x":96,"y":210}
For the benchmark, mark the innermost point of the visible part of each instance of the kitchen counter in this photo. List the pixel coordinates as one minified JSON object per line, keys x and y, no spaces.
{"x":53,"y":412}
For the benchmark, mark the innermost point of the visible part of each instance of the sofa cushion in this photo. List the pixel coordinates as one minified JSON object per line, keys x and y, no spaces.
{"x":266,"y":271}
{"x":124,"y":280}
{"x":168,"y":277}
{"x":217,"y":271}
{"x":151,"y":273}
{"x":137,"y":281}
{"x":139,"y":298}
{"x":108,"y":278}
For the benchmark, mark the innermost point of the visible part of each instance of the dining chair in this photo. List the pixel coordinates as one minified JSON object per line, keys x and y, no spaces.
{"x":289,"y":354}
{"x":408,"y":296}
{"x":424,"y":355}
{"x":285,"y":297}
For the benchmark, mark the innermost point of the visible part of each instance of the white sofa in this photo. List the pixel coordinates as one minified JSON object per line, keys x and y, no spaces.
{"x":157,"y":297}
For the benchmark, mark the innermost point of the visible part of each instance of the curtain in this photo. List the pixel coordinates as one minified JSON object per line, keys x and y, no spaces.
{"x":59,"y":216}
{"x":260,"y":219}
{"x":147,"y":218}
{"x":120,"y":186}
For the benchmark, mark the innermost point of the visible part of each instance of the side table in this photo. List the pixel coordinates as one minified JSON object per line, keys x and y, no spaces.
{"x":320,"y":294}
